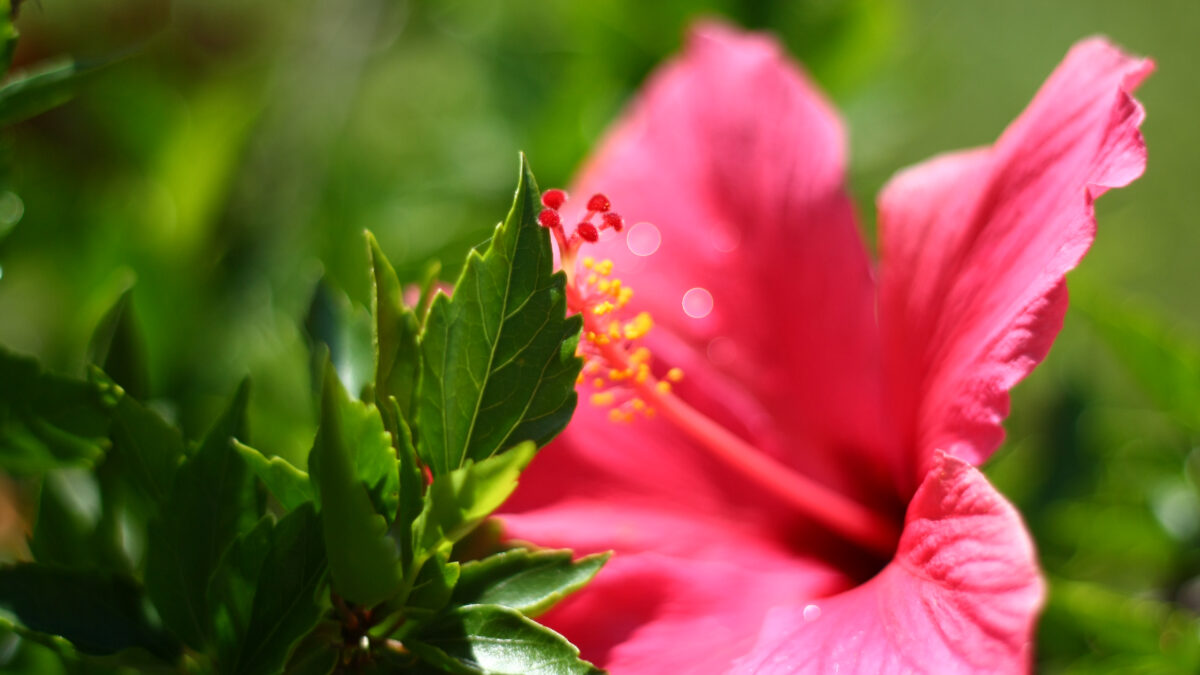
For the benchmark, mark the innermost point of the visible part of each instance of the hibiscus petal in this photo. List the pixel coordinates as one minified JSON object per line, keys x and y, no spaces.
{"x":975,"y":246}
{"x":673,"y":578}
{"x":961,"y":595}
{"x":738,"y":162}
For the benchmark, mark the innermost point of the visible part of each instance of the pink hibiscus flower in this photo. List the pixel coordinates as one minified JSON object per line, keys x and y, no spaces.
{"x":806,"y":498}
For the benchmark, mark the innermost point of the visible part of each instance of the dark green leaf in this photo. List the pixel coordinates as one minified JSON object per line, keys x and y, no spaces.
{"x":116,"y":347}
{"x":496,"y":640}
{"x":45,"y":87}
{"x":71,"y":527}
{"x":99,"y":614}
{"x":498,"y":359}
{"x":8,"y":34}
{"x":394,"y":337}
{"x":412,"y":489}
{"x":458,"y":501}
{"x":146,"y":448}
{"x":433,"y":587}
{"x":345,"y":331}
{"x":212,"y":500}
{"x":318,"y":653}
{"x":289,"y":484}
{"x":363,"y":560}
{"x":530,"y":582}
{"x":47,"y":421}
{"x":271,"y":597}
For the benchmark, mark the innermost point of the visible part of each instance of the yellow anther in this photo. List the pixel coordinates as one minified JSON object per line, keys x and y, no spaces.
{"x":617,"y":375}
{"x":619,"y":416}
{"x":674,"y":374}
{"x":640,"y":325}
{"x":614,"y":330}
{"x":588,"y":262}
{"x":604,"y":285}
{"x":604,"y":267}
{"x":579,"y":379}
{"x":603,"y":308}
{"x":590,"y":337}
{"x":649,"y":412}
{"x":598,"y":382}
{"x":624,"y":296}
{"x":663,"y":387}
{"x":643,"y":372}
{"x":602,"y":339}
{"x":602,"y":398}
{"x":638,"y":404}
{"x":640,"y":355}
{"x":591,"y":280}
{"x":614,"y":288}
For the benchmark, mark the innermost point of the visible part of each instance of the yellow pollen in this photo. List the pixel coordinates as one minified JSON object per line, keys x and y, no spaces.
{"x":663,"y":387}
{"x":674,"y":374}
{"x":590,"y":337}
{"x":640,"y":355}
{"x":624,"y":296}
{"x":579,"y":380}
{"x":603,"y":308}
{"x":604,"y":285}
{"x":649,"y":413}
{"x":604,"y":267}
{"x":614,"y":288}
{"x":618,"y":415}
{"x":602,"y":398}
{"x":598,"y":382}
{"x":602,"y":339}
{"x":591,"y":280}
{"x":638,"y":404}
{"x":614,"y":330}
{"x":617,"y":375}
{"x":643,"y":372}
{"x":588,"y":262}
{"x":640,"y":325}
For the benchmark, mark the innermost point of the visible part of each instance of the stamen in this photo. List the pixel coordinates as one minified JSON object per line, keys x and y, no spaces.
{"x":620,"y":371}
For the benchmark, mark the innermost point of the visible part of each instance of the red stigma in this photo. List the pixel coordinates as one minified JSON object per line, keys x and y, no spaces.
{"x":553,"y":198}
{"x":614,"y":220}
{"x":549,"y":218}
{"x":587,"y":232}
{"x":599,"y":203}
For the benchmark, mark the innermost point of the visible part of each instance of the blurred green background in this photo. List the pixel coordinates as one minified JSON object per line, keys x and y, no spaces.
{"x":236,"y":152}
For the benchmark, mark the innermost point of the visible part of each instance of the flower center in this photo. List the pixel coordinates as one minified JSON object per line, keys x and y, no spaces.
{"x":621,"y":372}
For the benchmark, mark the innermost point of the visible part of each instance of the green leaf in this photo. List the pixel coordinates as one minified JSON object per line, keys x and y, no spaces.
{"x":98,"y":613}
{"x":287,"y":483}
{"x":412,"y":490}
{"x":72,"y":529}
{"x":345,"y":331}
{"x":498,"y":359}
{"x":496,"y":640}
{"x":530,"y":582}
{"x":433,"y":587}
{"x":458,"y":501}
{"x":211,"y":501}
{"x":47,"y":421}
{"x":146,"y":449}
{"x":363,"y":560}
{"x":275,"y":602}
{"x":117,"y":348}
{"x":394,"y":336}
{"x":46,"y":86}
{"x":8,"y":34}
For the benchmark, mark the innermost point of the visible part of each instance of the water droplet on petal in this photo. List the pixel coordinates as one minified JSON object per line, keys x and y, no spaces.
{"x":643,"y":239}
{"x":697,"y":303}
{"x":811,"y":613}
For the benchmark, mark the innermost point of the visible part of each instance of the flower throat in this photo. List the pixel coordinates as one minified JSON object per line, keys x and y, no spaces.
{"x":621,"y":373}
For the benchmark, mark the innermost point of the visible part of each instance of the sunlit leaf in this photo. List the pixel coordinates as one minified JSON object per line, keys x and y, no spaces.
{"x":530,"y":582}
{"x":498,"y":358}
